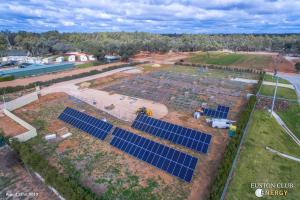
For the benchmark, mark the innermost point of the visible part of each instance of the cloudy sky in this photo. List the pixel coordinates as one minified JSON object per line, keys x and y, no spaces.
{"x":157,"y":16}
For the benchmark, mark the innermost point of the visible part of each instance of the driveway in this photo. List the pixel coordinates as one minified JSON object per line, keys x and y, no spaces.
{"x":293,"y":79}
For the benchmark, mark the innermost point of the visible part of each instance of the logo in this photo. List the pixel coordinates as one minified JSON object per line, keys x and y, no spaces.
{"x":259,"y":193}
{"x":271,"y":189}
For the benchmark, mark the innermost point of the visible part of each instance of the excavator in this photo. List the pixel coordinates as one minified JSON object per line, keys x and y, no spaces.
{"x":144,"y":111}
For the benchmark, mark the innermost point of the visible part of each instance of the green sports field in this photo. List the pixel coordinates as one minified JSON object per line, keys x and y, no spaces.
{"x":231,"y":59}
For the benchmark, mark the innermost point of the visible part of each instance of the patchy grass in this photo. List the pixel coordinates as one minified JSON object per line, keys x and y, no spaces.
{"x":282,"y":92}
{"x":89,"y":64}
{"x":231,"y":59}
{"x":258,"y":165}
{"x":270,"y":78}
{"x":291,"y":118}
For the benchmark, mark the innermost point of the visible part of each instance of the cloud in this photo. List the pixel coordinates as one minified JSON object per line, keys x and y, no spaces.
{"x":158,"y":16}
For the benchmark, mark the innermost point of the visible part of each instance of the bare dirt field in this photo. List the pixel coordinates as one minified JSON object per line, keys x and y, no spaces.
{"x":15,"y":179}
{"x":167,"y":58}
{"x":47,"y":77}
{"x":10,"y":127}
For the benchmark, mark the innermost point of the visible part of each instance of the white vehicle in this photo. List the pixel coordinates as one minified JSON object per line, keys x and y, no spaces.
{"x":221,"y":123}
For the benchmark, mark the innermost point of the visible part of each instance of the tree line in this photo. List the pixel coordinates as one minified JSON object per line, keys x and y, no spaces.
{"x":127,"y":44}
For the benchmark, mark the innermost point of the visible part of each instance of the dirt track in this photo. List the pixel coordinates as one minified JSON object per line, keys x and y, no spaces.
{"x":47,"y":77}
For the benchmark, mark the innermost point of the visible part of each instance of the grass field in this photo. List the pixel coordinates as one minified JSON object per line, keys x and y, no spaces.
{"x":231,"y":59}
{"x":257,"y":165}
{"x":281,"y":92}
{"x":271,"y":79}
{"x":291,"y":117}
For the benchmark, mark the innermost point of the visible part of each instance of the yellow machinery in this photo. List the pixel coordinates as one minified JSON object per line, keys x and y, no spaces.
{"x":145,"y":111}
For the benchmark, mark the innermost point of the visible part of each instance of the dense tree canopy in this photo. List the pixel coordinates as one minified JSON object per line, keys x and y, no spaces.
{"x":127,"y":44}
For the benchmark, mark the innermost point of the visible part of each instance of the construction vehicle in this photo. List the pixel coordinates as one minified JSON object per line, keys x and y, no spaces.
{"x":144,"y":111}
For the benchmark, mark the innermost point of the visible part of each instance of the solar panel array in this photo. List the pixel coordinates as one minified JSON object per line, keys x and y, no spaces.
{"x":222,"y":108}
{"x":220,"y":113}
{"x":165,"y":158}
{"x":86,"y":123}
{"x":186,"y":137}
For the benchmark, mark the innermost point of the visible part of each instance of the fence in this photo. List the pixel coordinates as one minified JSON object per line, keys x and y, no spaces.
{"x":24,"y":136}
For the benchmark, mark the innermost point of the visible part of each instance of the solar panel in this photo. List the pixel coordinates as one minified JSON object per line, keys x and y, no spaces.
{"x":86,"y":123}
{"x":222,"y":108}
{"x":170,"y":160}
{"x":220,"y":113}
{"x":186,"y":137}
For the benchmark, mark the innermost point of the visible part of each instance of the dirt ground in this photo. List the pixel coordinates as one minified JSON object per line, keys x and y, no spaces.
{"x":10,"y":127}
{"x":47,"y":77}
{"x":158,"y":58}
{"x":284,"y":65}
{"x":14,"y":178}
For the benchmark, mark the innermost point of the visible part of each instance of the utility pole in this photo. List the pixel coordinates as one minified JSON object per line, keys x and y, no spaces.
{"x":276,"y":76}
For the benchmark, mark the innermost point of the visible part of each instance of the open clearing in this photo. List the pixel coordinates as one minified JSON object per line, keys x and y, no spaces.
{"x":112,"y":173}
{"x":244,"y":60}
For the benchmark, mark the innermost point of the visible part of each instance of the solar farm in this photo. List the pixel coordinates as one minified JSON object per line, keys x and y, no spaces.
{"x":169,"y":157}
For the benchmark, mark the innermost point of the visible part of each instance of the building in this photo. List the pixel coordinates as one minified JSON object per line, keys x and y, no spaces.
{"x":47,"y":60}
{"x":81,"y":56}
{"x":112,"y":58}
{"x":36,"y":69}
{"x":91,"y":57}
{"x":72,"y":58}
{"x":59,"y":59}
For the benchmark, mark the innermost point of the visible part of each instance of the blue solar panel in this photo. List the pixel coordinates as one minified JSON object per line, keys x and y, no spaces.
{"x":186,"y":137}
{"x":220,"y":113}
{"x":86,"y":123}
{"x":165,"y":158}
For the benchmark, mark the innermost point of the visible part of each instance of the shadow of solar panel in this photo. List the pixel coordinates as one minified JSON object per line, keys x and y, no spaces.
{"x":170,"y":160}
{"x":86,"y":123}
{"x":186,"y":137}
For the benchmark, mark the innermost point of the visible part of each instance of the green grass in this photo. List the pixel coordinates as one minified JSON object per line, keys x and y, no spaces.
{"x":257,"y":165}
{"x":291,"y":118}
{"x":271,"y":79}
{"x":282,"y":92}
{"x":89,"y":64}
{"x":231,"y":59}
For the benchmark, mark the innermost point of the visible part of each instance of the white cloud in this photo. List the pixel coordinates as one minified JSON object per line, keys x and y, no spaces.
{"x":152,"y":15}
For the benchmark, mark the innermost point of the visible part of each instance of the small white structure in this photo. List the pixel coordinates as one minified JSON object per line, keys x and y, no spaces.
{"x":91,"y":57}
{"x":4,"y":59}
{"x":59,"y":59}
{"x":83,"y":58}
{"x":50,"y":137}
{"x":72,"y":58}
{"x":66,"y":135}
{"x":47,"y":60}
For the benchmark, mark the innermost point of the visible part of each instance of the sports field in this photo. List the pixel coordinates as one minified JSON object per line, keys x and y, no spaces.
{"x":231,"y":59}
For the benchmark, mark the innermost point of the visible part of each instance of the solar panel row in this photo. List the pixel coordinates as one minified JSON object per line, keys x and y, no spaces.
{"x":215,"y":113}
{"x":86,"y":123}
{"x":222,"y":108}
{"x":186,"y":137}
{"x":165,"y":158}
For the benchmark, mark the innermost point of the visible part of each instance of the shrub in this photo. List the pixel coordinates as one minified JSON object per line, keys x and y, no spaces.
{"x":7,"y":78}
{"x":68,"y":187}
